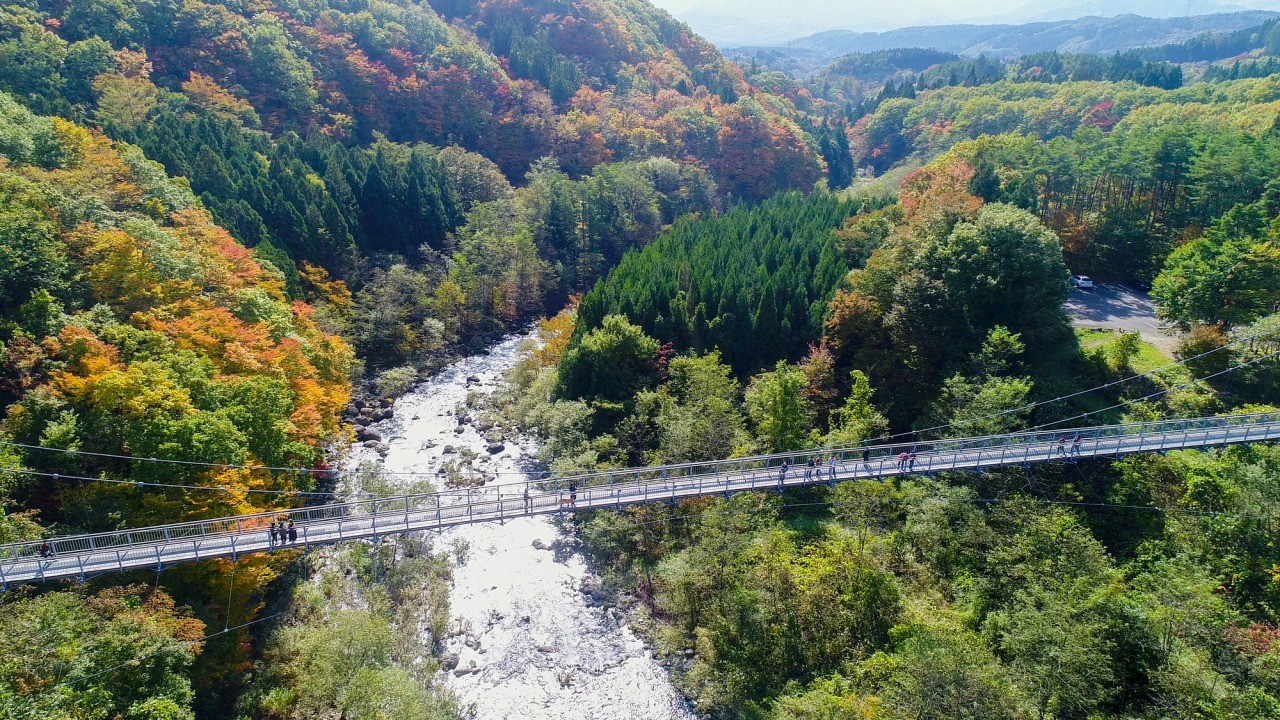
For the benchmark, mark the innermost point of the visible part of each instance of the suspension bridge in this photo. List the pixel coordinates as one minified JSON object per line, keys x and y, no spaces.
{"x":162,"y":546}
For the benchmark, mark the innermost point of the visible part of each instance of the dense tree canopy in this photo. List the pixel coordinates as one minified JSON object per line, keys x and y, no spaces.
{"x":752,"y":283}
{"x":134,"y":327}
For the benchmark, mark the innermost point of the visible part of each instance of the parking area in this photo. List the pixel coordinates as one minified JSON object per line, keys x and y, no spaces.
{"x":1120,"y":308}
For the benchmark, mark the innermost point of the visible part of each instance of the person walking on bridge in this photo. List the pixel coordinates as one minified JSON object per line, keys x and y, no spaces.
{"x":782,"y":475}
{"x":809,"y":468}
{"x":528,"y":503}
{"x":293,"y":533}
{"x":911,"y":461}
{"x":1075,"y":444}
{"x":902,"y":461}
{"x":831,"y":468}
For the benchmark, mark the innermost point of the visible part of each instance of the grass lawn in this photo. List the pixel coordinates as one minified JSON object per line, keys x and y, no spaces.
{"x":1149,"y":356}
{"x":1058,"y":373}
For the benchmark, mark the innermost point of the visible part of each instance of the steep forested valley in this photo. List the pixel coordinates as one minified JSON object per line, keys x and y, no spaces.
{"x":227,"y":226}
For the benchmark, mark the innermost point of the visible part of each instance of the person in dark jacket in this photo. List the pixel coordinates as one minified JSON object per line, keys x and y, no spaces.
{"x":293,"y":532}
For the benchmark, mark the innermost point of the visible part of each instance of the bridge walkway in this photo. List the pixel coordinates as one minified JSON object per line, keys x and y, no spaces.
{"x":160,"y":547}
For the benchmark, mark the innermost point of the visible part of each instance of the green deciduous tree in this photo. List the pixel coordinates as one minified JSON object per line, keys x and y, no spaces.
{"x":858,"y":421}
{"x":32,"y":256}
{"x":704,"y":422}
{"x":611,"y":363}
{"x":952,"y":675}
{"x":1231,"y":276}
{"x":777,"y":408}
{"x":123,"y":652}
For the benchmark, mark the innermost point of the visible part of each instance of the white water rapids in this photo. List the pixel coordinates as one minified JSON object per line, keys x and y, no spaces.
{"x":533,"y":646}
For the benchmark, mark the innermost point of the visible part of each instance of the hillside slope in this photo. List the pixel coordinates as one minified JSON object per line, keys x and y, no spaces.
{"x":512,"y":80}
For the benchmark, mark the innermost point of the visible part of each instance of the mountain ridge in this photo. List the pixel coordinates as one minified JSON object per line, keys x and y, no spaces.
{"x":747,"y":22}
{"x":1090,"y":35}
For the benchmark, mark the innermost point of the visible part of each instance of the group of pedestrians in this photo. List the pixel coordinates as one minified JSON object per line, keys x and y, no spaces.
{"x":906,"y":461}
{"x":812,"y":470}
{"x":1075,"y":445}
{"x":282,"y":533}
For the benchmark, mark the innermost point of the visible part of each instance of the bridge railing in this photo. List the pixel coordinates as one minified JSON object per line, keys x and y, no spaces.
{"x":1090,"y":436}
{"x":660,"y":482}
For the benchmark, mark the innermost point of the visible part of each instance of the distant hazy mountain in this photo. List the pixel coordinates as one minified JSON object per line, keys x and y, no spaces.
{"x":731,"y":23}
{"x":1096,"y":35}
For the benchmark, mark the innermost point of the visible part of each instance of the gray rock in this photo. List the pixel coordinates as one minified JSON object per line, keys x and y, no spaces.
{"x":371,"y":443}
{"x":449,"y":450}
{"x":450,"y":660}
{"x":383,"y":414}
{"x":496,"y":448}
{"x":366,"y":412}
{"x":383,"y":448}
{"x":368,"y":433}
{"x":386,"y":402}
{"x":362,"y":420}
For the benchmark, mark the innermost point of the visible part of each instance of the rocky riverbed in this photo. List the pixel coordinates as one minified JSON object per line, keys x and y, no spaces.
{"x":534,"y":639}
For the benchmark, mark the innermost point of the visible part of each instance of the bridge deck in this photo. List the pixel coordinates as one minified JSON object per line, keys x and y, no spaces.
{"x":159,"y":547}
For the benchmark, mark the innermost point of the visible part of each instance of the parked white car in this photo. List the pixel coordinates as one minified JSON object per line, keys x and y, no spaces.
{"x":1081,"y":281}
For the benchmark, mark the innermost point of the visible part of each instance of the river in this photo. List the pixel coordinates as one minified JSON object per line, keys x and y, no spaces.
{"x":531,"y":643}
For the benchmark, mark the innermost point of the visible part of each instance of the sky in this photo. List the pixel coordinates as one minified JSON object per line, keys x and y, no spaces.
{"x":729,"y":22}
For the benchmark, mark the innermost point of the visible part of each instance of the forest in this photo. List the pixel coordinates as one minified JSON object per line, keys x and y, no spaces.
{"x":1136,"y":588}
{"x":1139,"y":588}
{"x":222,"y":223}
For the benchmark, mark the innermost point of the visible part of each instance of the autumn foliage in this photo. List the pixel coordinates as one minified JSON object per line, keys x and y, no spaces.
{"x":151,"y":333}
